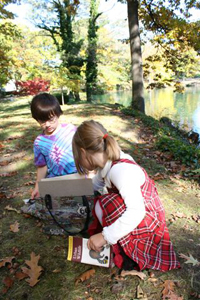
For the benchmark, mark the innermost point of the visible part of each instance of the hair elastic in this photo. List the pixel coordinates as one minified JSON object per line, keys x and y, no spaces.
{"x":105,"y":136}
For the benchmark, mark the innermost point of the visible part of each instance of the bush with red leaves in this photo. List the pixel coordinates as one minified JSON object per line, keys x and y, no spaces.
{"x":32,"y":87}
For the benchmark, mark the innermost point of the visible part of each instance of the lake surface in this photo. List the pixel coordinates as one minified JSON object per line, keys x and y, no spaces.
{"x":183,"y":109}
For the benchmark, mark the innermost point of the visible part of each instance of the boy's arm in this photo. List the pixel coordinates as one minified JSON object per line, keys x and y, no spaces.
{"x":41,"y":173}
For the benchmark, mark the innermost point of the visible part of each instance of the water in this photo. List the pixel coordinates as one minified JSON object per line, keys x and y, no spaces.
{"x":183,"y":109}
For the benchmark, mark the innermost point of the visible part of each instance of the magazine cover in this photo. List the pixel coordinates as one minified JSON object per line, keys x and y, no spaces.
{"x":79,"y":252}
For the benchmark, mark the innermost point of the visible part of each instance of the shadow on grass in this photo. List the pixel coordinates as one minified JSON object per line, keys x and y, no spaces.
{"x":14,"y":108}
{"x":59,"y":284}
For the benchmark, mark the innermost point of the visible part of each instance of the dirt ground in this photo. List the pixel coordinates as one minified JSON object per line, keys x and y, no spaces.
{"x":180,"y":197}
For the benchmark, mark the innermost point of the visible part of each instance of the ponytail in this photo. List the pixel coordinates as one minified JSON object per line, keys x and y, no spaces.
{"x":93,"y":137}
{"x":111,"y":148}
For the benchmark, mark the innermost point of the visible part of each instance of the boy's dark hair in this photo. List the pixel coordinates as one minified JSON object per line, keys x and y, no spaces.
{"x":44,"y":106}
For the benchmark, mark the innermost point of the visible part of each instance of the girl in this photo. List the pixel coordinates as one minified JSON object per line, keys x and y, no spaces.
{"x":130,"y":216}
{"x":53,"y":147}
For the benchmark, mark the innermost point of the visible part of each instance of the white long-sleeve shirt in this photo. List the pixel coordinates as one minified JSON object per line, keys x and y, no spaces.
{"x":127,"y":178}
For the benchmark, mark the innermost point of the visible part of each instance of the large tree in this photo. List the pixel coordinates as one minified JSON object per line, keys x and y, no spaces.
{"x":136,"y":56}
{"x":91,"y":64}
{"x":170,"y":25}
{"x":57,"y":18}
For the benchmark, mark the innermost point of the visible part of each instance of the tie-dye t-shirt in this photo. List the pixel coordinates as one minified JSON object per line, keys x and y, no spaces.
{"x":55,"y":151}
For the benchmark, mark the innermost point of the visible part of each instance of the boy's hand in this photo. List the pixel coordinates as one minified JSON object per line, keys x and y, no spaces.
{"x":96,"y":242}
{"x":35,"y":192}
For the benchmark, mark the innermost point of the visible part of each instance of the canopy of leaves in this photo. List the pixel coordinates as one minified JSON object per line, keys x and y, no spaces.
{"x":174,"y":35}
{"x":4,"y":13}
{"x":9,"y":33}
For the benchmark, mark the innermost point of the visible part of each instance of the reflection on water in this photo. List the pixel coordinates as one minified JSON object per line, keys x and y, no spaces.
{"x":184,"y":108}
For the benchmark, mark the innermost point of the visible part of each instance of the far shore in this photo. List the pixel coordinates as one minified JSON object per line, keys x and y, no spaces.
{"x":190,"y":81}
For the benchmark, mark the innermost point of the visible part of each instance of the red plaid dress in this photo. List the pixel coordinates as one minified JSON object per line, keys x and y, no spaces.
{"x":149,"y":243}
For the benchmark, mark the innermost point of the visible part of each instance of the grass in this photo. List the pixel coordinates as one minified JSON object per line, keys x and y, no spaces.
{"x":136,"y":136}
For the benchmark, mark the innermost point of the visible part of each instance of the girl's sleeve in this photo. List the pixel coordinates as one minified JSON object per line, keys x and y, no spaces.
{"x":39,"y":158}
{"x":128,"y":179}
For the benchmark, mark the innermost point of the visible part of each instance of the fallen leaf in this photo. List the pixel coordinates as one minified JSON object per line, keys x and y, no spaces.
{"x":4,"y":163}
{"x":196,"y":218}
{"x":27,"y":216}
{"x":2,"y":195}
{"x":8,"y":207}
{"x":29,"y":183}
{"x":56,"y":271}
{"x":20,"y":275}
{"x":179,"y":215}
{"x":8,"y":174}
{"x":151,"y":274}
{"x":16,"y":251}
{"x":190,"y":259}
{"x":12,"y":138}
{"x":15,"y":265}
{"x":84,"y":276}
{"x":140,"y":293}
{"x":168,"y":291}
{"x":158,"y":176}
{"x":152,"y":279}
{"x":117,"y":287}
{"x":133,"y":273}
{"x":6,"y":260}
{"x":14,"y":227}
{"x":168,"y":288}
{"x":34,"y":271}
{"x":8,"y":283}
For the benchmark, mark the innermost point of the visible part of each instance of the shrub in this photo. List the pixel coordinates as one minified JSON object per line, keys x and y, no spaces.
{"x":32,"y":87}
{"x":59,"y":97}
{"x":187,"y":154}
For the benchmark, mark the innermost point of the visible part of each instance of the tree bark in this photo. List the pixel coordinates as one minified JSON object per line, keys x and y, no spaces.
{"x":63,"y":99}
{"x":136,"y":57}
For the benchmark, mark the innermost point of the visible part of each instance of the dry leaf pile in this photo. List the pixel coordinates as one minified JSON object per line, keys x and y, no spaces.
{"x":33,"y":271}
{"x":168,"y":291}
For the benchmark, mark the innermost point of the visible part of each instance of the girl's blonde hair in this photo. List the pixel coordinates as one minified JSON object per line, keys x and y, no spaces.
{"x":93,"y":137}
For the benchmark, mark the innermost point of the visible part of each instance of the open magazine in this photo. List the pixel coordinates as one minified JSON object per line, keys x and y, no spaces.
{"x":79,"y":252}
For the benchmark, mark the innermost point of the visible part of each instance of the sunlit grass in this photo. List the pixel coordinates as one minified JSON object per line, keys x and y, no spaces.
{"x":17,"y":133}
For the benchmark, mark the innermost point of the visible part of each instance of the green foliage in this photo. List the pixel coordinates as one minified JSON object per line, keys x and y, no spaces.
{"x":91,"y":65}
{"x":113,"y":62}
{"x":35,"y":56}
{"x":57,"y":19}
{"x":9,"y":34}
{"x":169,"y":139}
{"x":59,"y":97}
{"x":147,"y":120}
{"x":175,"y":40}
{"x":197,"y":171}
{"x":4,"y":13}
{"x":187,"y":154}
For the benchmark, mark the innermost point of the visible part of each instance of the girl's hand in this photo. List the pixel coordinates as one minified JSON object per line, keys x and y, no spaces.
{"x":96,"y":242}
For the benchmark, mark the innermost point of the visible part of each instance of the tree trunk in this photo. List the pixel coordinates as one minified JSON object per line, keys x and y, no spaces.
{"x":136,"y":57}
{"x":62,"y":93}
{"x":91,"y":65}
